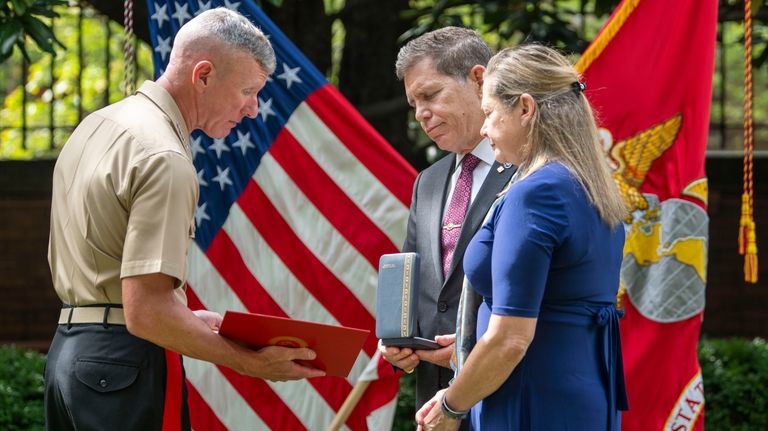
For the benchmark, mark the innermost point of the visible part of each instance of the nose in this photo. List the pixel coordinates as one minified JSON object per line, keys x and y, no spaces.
{"x":251,"y":107}
{"x":483,"y":130}
{"x":422,"y":112}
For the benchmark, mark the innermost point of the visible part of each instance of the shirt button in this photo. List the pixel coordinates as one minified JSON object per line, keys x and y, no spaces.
{"x":103,"y":383}
{"x":442,"y":306}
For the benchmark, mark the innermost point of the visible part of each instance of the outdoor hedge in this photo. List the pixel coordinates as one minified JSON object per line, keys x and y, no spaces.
{"x":735,"y":373}
{"x":21,"y":389}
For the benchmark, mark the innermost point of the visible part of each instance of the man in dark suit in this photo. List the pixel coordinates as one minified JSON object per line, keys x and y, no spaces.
{"x":443,"y":74}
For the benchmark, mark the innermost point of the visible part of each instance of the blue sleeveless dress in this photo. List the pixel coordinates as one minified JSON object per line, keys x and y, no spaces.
{"x":545,"y":253}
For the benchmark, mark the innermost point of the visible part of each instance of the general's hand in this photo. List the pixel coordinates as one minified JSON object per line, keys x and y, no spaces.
{"x":430,"y":416}
{"x":211,"y":318}
{"x":404,"y":359}
{"x":441,"y":357}
{"x":278,"y":364}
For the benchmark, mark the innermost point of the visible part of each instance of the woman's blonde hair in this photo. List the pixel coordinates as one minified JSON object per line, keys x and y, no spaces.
{"x":563,"y":127}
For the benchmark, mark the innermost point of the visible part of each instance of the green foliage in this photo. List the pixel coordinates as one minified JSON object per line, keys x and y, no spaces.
{"x":728,"y":88}
{"x":60,"y":90}
{"x":276,"y":3}
{"x":406,"y":404}
{"x":21,"y":389}
{"x":735,"y":373}
{"x":20,"y":18}
{"x":565,"y":24}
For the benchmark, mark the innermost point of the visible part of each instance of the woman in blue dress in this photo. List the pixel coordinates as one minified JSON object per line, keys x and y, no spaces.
{"x":546,"y":262}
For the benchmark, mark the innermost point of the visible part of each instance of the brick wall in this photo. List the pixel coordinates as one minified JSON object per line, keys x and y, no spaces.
{"x":29,"y":306}
{"x":734,"y":307}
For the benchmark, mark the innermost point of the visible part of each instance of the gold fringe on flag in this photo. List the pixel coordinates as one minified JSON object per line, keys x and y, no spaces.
{"x":747,"y":235}
{"x":606,"y":35}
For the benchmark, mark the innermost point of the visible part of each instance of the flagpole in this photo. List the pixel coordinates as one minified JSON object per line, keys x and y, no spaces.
{"x":349,"y":404}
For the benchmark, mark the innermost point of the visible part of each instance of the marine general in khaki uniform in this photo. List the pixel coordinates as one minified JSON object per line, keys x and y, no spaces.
{"x":124,"y":196}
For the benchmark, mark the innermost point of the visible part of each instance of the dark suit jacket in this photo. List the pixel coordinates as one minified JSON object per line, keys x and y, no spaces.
{"x":439,"y":298}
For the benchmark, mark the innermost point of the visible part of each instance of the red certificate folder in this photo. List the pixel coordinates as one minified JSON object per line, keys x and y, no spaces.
{"x":337,"y":347}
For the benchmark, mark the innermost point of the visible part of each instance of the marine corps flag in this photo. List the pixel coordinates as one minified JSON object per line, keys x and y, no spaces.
{"x":649,"y":78}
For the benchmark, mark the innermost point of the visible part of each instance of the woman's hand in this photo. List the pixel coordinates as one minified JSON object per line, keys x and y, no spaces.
{"x":430,"y":416}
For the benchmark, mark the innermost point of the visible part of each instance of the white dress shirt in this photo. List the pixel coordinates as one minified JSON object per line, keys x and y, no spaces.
{"x":482,"y":151}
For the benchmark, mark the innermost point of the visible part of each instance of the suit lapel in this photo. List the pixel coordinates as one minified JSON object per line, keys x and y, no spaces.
{"x":494,"y":182}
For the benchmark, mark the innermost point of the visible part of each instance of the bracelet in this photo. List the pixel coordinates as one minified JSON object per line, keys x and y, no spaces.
{"x":451,"y":413}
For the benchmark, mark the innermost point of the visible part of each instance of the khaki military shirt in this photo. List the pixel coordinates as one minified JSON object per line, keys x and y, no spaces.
{"x":124,"y":196}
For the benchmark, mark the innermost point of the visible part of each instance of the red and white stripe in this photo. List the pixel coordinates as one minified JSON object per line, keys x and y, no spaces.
{"x":303,"y":240}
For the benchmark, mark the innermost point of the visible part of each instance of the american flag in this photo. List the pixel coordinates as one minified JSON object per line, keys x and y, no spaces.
{"x":296,"y":206}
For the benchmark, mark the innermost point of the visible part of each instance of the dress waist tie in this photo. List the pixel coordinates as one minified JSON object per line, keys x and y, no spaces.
{"x":606,"y":317}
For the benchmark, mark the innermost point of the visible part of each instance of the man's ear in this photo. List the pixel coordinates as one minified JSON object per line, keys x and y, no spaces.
{"x":476,"y":77}
{"x":528,"y":106}
{"x":201,"y":74}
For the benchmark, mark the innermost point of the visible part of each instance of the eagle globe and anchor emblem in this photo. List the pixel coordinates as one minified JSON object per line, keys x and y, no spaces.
{"x":665,"y":253}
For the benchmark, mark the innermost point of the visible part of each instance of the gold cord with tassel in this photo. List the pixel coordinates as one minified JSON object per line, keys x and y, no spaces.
{"x":747,"y":235}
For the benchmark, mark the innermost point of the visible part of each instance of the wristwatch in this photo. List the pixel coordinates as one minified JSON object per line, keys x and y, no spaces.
{"x":451,"y":413}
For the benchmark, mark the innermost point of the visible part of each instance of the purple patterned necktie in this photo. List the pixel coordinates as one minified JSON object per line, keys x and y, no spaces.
{"x":457,"y":209}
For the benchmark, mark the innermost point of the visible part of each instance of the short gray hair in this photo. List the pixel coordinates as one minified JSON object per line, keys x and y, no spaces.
{"x":454,"y":51}
{"x":233,"y":30}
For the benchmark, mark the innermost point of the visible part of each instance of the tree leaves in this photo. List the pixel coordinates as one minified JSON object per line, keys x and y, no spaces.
{"x":40,"y":33}
{"x":19,"y":18}
{"x":10,"y":33}
{"x":512,"y":21}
